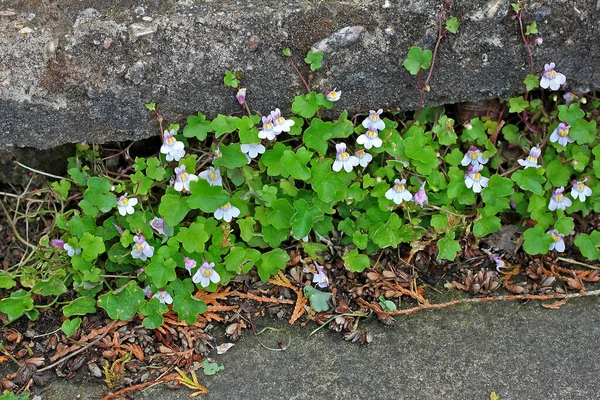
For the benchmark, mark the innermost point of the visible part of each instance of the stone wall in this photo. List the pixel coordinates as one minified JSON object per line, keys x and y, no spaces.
{"x":81,"y":71}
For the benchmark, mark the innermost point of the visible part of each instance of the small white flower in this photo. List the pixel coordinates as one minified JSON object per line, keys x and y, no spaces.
{"x":559,"y":200}
{"x":474,"y":180}
{"x":227,"y":212}
{"x":147,"y":292}
{"x":570,"y":97}
{"x":580,"y":190}
{"x":398,"y":192}
{"x":343,"y":159}
{"x":158,"y":224}
{"x":558,"y":244}
{"x":252,"y":150}
{"x":141,"y":249}
{"x":551,"y":78}
{"x":183,"y":179}
{"x":125,"y":205}
{"x":213,"y":176}
{"x":70,"y":250}
{"x":473,"y":157}
{"x":531,"y":160}
{"x":171,"y":146}
{"x":164,"y":297}
{"x":206,"y":274}
{"x":281,"y":124}
{"x":268,"y":132}
{"x":334,"y":95}
{"x":189,"y":264}
{"x":373,"y":121}
{"x":561,"y":134}
{"x":370,"y":139}
{"x":222,"y":348}
{"x":364,"y":158}
{"x":320,"y":278}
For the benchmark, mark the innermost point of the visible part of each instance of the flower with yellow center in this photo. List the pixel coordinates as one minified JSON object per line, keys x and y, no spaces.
{"x":213,"y":176}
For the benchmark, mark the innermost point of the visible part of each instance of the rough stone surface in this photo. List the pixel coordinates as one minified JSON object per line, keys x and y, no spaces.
{"x":519,"y":351}
{"x":74,"y":71}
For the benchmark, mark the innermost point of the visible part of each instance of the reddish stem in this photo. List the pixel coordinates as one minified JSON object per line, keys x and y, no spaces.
{"x":300,"y":75}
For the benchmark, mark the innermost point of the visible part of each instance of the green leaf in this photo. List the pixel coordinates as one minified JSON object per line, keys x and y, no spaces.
{"x":16,"y":305}
{"x":303,"y":218}
{"x":188,"y":307}
{"x":7,"y":281}
{"x":536,"y":241}
{"x":122,"y":303}
{"x":497,"y":187}
{"x":281,"y":214}
{"x":386,"y":234}
{"x":558,"y":173}
{"x":528,"y":179}
{"x":583,"y":131}
{"x":92,"y":246}
{"x":286,"y":52}
{"x":439,"y":222}
{"x":153,"y":310}
{"x":589,"y":245}
{"x":319,"y":301}
{"x":570,"y":114}
{"x":328,"y":186}
{"x":387,"y":305}
{"x":70,"y":326}
{"x":295,"y":163}
{"x":517,"y":104}
{"x":486,"y":225}
{"x":564,"y":225}
{"x":53,"y":286}
{"x":356,"y":262}
{"x":162,"y":271}
{"x":150,"y":106}
{"x":155,"y":170}
{"x":305,"y":106}
{"x":417,"y":59}
{"x":421,"y":155}
{"x":448,"y":247}
{"x":231,"y":157}
{"x":173,"y":209}
{"x":531,"y":82}
{"x":80,"y":306}
{"x":271,"y":262}
{"x":197,"y":126}
{"x":241,"y":260}
{"x":272,"y":160}
{"x":531,"y":29}
{"x":224,"y":124}
{"x":452,"y":25}
{"x":316,"y":136}
{"x":444,"y":129}
{"x":314,"y":60}
{"x":211,"y":367}
{"x":97,"y":197}
{"x":206,"y":197}
{"x":232,"y":79}
{"x":315,"y":250}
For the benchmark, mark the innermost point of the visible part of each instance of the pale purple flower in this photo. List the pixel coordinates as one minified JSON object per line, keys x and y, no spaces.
{"x":398,"y":192}
{"x":364,"y":158}
{"x":164,"y":297}
{"x":227,"y":212}
{"x":183,"y":179}
{"x":558,"y":244}
{"x":268,"y":132}
{"x":500,"y":264}
{"x":374,"y":121}
{"x":171,"y":146}
{"x":125,"y":205}
{"x":538,"y":40}
{"x":252,"y":150}
{"x":147,"y":292}
{"x":281,"y":124}
{"x":320,"y":278}
{"x":71,"y":251}
{"x":334,"y":95}
{"x":213,"y":176}
{"x":473,"y":157}
{"x":57,"y":243}
{"x":189,"y":264}
{"x":206,"y":274}
{"x":241,"y":95}
{"x":561,"y":134}
{"x":370,"y":139}
{"x":580,"y":190}
{"x":158,"y":224}
{"x":474,"y":180}
{"x":141,"y":249}
{"x":551,"y":78}
{"x":531,"y":160}
{"x":559,"y":200}
{"x":343,"y":159}
{"x":420,"y":198}
{"x":569,"y":97}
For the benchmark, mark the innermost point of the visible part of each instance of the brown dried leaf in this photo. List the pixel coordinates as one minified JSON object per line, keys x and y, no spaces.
{"x":556,"y":305}
{"x":299,"y":309}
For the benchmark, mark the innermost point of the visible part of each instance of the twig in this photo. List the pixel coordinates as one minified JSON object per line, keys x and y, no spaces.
{"x":120,"y":393}
{"x":42,"y":172}
{"x":263,"y":299}
{"x":569,"y":260}
{"x":14,"y":228}
{"x":334,"y":317}
{"x":87,"y":346}
{"x":300,"y":75}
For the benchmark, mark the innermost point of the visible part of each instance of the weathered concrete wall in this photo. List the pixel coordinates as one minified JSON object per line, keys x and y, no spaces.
{"x":73,"y":73}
